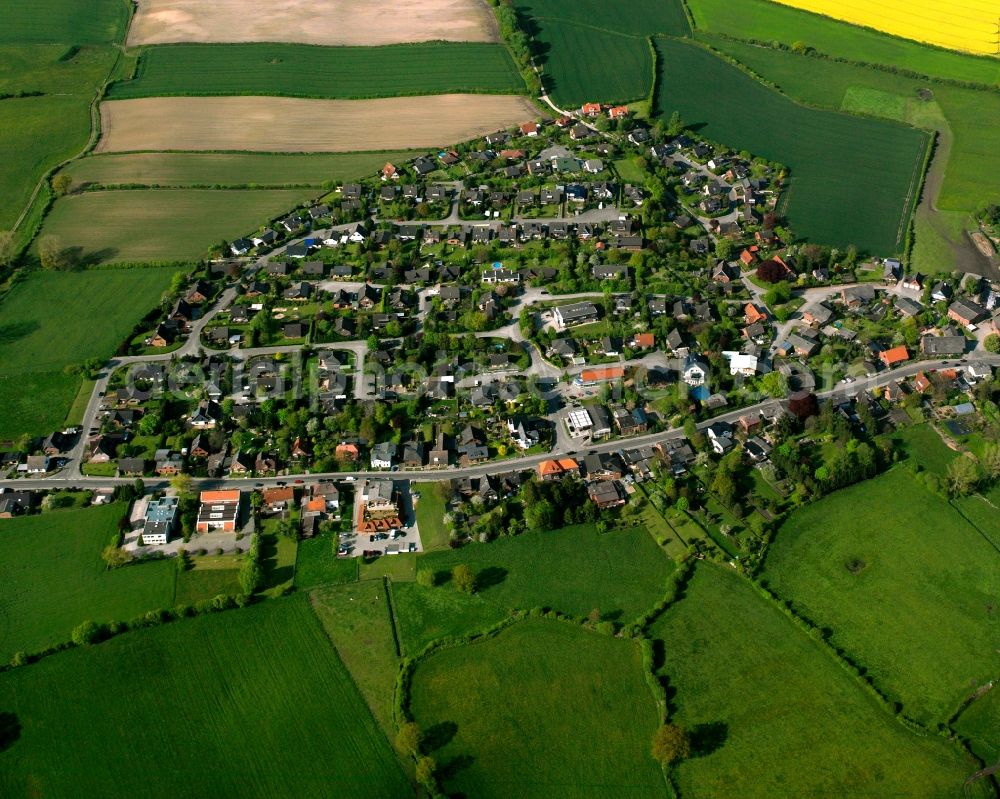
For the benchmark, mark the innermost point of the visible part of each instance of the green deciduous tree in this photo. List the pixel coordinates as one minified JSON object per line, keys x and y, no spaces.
{"x":463,"y":578}
{"x":670,"y":744}
{"x":409,"y":737}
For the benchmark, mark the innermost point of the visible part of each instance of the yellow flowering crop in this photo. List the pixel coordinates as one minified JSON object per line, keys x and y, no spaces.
{"x":969,"y":25}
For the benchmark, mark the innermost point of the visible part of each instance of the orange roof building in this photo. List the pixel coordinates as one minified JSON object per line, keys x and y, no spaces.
{"x":895,"y":355}
{"x":556,"y":469}
{"x":643,"y":340}
{"x":753,"y":315}
{"x":618,"y":112}
{"x":591,"y":109}
{"x":219,"y":510}
{"x":589,"y":377}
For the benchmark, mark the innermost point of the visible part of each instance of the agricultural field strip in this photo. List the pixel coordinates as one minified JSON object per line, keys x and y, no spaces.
{"x":306,"y":71}
{"x":327,"y":22}
{"x":871,"y":184}
{"x":969,"y":26}
{"x":284,"y":124}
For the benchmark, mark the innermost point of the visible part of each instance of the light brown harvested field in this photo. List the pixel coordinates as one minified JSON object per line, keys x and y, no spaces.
{"x":284,"y":124}
{"x":331,"y":22}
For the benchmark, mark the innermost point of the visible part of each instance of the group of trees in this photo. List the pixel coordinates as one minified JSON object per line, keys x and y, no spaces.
{"x":967,"y":472}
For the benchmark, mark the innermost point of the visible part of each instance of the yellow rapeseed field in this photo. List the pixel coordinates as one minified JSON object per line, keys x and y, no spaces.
{"x":969,"y":25}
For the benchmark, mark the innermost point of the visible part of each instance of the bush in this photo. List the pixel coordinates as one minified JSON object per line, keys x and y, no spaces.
{"x":88,"y":632}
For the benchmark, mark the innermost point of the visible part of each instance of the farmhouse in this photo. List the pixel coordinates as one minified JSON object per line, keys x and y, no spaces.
{"x":219,"y":510}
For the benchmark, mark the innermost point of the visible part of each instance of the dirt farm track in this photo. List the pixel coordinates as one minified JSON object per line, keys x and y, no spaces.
{"x":329,"y":22}
{"x":282,"y":124}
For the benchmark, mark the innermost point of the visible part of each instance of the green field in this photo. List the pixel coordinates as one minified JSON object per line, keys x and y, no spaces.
{"x":317,"y":564}
{"x":52,"y":319}
{"x":969,"y":118}
{"x":247,"y":703}
{"x":61,"y":49}
{"x":74,"y":21}
{"x":922,"y":444}
{"x":300,"y":70}
{"x":356,"y":618}
{"x":865,"y":168}
{"x":38,"y":133}
{"x":229,"y":169}
{"x":771,"y":714}
{"x":904,"y":583}
{"x":199,"y":584}
{"x":543,"y":710}
{"x":163,"y":225}
{"x":768,"y":22}
{"x":573,"y":570}
{"x":35,"y":403}
{"x":594,"y":51}
{"x":47,"y":322}
{"x":980,"y":724}
{"x":54,"y":579}
{"x":427,"y":614}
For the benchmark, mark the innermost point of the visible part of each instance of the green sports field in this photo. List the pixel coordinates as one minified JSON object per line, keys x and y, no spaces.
{"x":906,"y":585}
{"x":768,"y":22}
{"x":47,"y":322}
{"x":594,"y":51}
{"x":165,"y":224}
{"x":229,"y":169}
{"x":545,"y":709}
{"x":866,"y":169}
{"x":573,"y":570}
{"x":772,"y":714}
{"x":54,"y":578}
{"x":298,"y":70}
{"x":247,"y":703}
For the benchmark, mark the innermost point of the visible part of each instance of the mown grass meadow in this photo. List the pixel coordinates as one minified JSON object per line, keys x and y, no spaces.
{"x":162,"y":225}
{"x":265,"y":170}
{"x":544,"y":709}
{"x":906,"y":585}
{"x":251,"y":702}
{"x":771,"y":713}
{"x":54,"y":578}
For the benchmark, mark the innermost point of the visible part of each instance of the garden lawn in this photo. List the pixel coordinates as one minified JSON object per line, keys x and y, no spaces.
{"x":198,"y":584}
{"x":772,"y":714}
{"x":49,"y":320}
{"x":317,"y":564}
{"x":907,"y":586}
{"x":768,"y":22}
{"x":164,"y":225}
{"x":54,"y":578}
{"x":300,"y":70}
{"x":430,"y":517}
{"x":591,"y":51}
{"x":229,"y":169}
{"x":922,"y":444}
{"x":573,"y":570}
{"x":246,"y":703}
{"x":869,"y":169}
{"x":544,"y":709}
{"x":357,"y":620}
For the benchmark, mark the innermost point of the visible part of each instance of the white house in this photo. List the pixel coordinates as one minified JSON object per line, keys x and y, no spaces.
{"x":741,"y":364}
{"x":383,"y":455}
{"x":161,"y":514}
{"x":695,"y":373}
